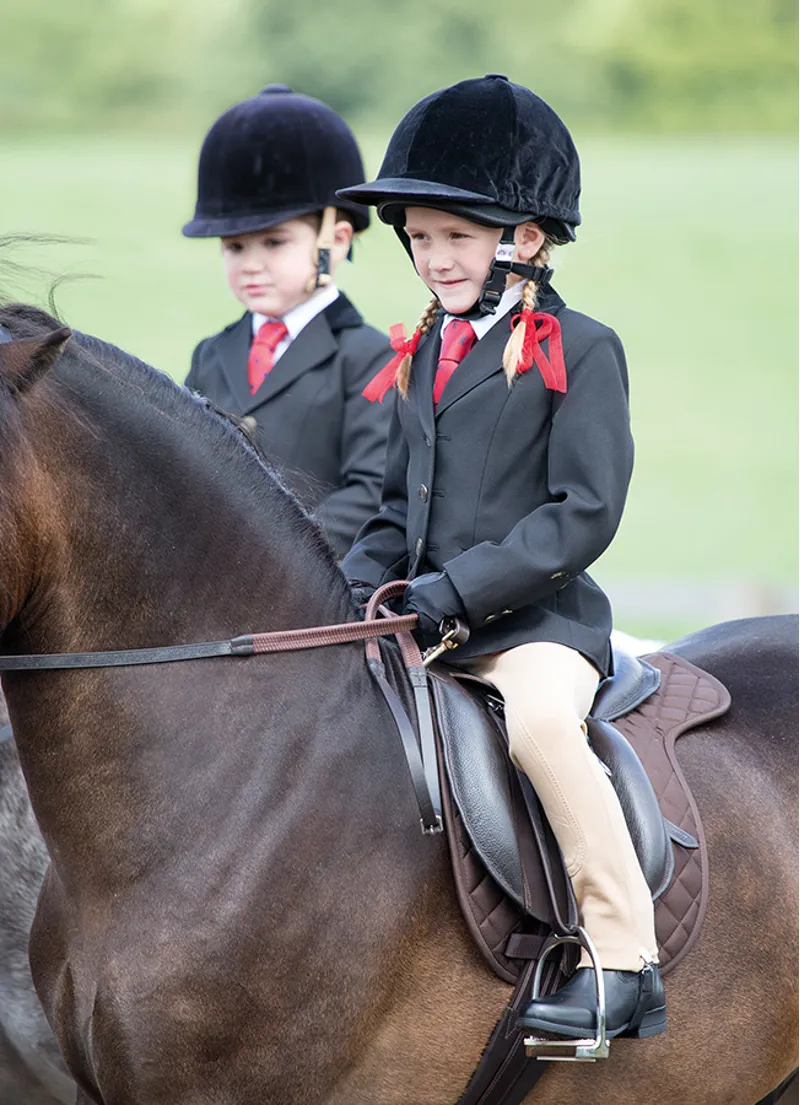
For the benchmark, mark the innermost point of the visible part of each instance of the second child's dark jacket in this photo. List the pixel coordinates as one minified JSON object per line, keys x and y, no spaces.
{"x":310,"y":419}
{"x":513,"y":492}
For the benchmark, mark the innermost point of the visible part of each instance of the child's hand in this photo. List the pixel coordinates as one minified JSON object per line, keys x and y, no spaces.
{"x":433,"y":598}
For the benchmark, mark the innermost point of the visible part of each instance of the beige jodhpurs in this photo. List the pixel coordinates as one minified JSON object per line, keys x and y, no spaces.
{"x":548,"y":691}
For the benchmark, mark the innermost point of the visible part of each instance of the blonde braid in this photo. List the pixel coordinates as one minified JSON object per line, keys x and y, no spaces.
{"x":530,"y":294}
{"x":423,"y":327}
{"x":513,"y":349}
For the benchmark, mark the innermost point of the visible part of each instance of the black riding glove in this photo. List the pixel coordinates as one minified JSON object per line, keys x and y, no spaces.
{"x":433,"y":598}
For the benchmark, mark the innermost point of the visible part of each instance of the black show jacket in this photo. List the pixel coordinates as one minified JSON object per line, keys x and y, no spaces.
{"x":513,"y":492}
{"x":311,"y":420}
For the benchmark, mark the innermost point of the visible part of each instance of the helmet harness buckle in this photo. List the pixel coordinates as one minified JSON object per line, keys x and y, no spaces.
{"x":502,"y":265}
{"x":322,"y":251}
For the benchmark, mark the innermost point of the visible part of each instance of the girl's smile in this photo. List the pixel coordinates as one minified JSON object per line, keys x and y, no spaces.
{"x":451,"y":254}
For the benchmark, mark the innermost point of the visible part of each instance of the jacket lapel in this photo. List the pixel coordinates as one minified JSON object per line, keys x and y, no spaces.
{"x":420,"y":388}
{"x":233,"y":350}
{"x":314,"y":344}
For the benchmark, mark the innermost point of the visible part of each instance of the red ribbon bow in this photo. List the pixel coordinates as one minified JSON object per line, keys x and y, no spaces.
{"x":381,"y":383}
{"x":553,"y":369}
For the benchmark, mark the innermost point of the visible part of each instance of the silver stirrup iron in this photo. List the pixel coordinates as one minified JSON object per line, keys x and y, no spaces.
{"x":582,"y":1051}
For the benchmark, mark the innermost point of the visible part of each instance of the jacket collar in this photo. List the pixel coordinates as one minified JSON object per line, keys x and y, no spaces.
{"x":486,"y":356}
{"x":342,"y":315}
{"x":315,"y":343}
{"x":299,"y":317}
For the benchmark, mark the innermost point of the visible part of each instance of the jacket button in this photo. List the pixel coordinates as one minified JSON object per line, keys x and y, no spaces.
{"x":249,"y":423}
{"x":492,"y":617}
{"x":418,"y":546}
{"x":423,"y":492}
{"x":427,"y":441}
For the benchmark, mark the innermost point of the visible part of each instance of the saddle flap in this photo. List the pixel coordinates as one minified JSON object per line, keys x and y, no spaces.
{"x":639,"y":804}
{"x":475,"y":756}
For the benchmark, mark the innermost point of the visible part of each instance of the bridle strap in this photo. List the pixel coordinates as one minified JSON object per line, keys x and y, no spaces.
{"x":250,"y":644}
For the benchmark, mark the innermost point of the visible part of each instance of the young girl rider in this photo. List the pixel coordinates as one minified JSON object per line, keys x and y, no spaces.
{"x":295,"y":365}
{"x":508,"y":465}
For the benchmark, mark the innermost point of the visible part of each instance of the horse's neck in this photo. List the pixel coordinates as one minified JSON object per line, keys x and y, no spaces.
{"x":155,"y":535}
{"x":154,"y":546}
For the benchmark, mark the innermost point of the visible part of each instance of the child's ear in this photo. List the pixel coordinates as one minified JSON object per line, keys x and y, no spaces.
{"x":528,"y":240}
{"x":342,"y":239}
{"x":343,"y":233}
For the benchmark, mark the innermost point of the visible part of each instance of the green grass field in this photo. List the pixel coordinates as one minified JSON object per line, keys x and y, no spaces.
{"x":688,"y":249}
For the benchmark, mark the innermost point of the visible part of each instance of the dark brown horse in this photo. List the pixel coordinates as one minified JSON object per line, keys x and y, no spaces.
{"x":241,"y":909}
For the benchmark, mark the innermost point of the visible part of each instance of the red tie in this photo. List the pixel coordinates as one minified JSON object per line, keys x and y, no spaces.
{"x":262,"y":352}
{"x":457,"y":340}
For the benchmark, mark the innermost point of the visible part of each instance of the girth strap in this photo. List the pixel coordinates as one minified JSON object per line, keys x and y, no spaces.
{"x":505,"y":1076}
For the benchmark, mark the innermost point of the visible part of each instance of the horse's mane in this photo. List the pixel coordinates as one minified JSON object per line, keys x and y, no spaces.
{"x":220,"y":433}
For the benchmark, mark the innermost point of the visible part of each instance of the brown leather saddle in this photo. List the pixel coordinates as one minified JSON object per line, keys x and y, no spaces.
{"x":510,"y":877}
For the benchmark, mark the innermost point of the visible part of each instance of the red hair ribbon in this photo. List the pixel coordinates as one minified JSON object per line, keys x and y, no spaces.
{"x":553,"y":370}
{"x":378,"y":386}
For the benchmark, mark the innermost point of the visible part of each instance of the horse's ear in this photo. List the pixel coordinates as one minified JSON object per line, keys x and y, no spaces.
{"x":24,"y":361}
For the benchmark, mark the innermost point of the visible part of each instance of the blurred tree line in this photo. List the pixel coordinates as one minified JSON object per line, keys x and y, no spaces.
{"x":165,"y":65}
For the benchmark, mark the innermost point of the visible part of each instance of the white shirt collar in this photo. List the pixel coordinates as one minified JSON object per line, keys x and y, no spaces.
{"x":483,"y":325}
{"x":300,"y":316}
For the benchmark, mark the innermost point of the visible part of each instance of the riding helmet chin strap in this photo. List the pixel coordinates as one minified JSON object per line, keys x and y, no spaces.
{"x":503,"y":264}
{"x":322,"y":251}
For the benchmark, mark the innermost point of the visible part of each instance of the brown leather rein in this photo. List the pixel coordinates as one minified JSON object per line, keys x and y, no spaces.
{"x":420,"y":750}
{"x":249,"y":644}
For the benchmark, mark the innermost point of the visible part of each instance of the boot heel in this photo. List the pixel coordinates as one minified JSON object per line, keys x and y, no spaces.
{"x":652,"y":1024}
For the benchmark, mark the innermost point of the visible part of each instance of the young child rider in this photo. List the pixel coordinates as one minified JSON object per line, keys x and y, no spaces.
{"x":508,"y":466}
{"x":295,"y":364}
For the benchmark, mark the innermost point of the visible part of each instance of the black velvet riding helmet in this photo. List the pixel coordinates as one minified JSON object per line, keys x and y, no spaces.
{"x":484,"y":148}
{"x":273,"y":157}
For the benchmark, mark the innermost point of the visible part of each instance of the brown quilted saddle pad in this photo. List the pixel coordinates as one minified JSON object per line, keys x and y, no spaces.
{"x":509,"y":936}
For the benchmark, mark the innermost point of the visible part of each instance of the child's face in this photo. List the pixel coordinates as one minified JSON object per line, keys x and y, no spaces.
{"x":270,"y":271}
{"x":451,"y":254}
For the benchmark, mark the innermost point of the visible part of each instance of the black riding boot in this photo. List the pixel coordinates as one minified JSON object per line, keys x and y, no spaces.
{"x":634,"y":1005}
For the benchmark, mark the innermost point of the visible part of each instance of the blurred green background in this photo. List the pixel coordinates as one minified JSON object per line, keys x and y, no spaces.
{"x":684,"y":112}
